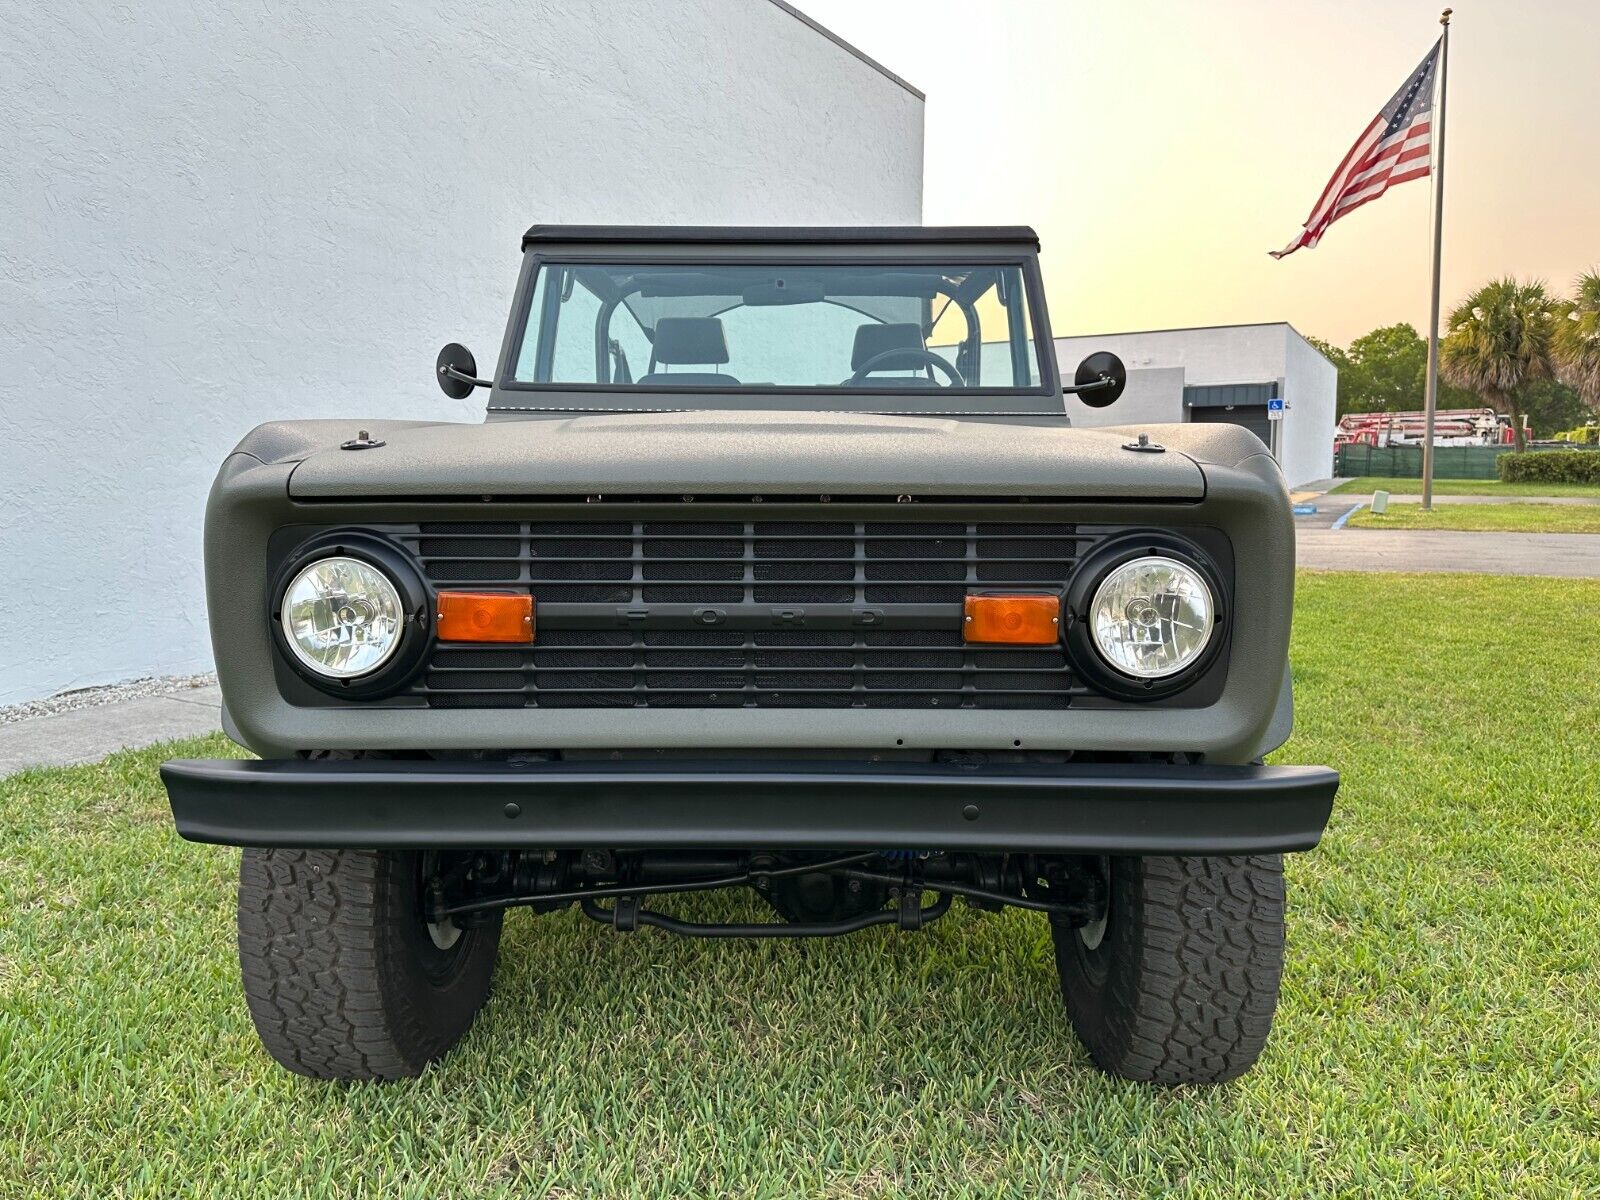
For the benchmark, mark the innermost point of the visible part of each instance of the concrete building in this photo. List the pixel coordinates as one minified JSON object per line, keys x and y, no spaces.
{"x":236,"y":212}
{"x":1222,"y":373}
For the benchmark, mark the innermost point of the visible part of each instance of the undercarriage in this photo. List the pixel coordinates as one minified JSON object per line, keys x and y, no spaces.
{"x":812,"y":893}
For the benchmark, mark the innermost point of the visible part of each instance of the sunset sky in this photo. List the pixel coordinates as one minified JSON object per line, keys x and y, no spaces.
{"x":1162,"y":147}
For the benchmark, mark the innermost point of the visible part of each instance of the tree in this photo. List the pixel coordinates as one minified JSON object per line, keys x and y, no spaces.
{"x":1391,"y":370}
{"x":1386,"y":371}
{"x":1551,"y":406}
{"x":1575,"y":342}
{"x":1499,"y":343}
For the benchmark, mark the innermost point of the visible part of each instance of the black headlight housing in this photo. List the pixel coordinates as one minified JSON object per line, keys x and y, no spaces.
{"x":1112,"y":553}
{"x":415,"y":600}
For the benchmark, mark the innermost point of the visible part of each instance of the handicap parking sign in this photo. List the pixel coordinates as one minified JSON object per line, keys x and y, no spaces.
{"x":1275,"y":409}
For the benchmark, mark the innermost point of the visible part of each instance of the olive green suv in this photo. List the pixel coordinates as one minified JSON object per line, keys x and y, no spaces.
{"x":776,"y":564}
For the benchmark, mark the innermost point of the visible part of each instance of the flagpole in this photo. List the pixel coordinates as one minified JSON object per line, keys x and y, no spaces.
{"x":1431,"y":395}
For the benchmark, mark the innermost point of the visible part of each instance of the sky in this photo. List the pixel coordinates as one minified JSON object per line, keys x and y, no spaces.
{"x":1162,"y":147}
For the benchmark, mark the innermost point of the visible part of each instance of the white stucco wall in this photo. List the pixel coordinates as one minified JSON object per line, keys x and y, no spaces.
{"x":217,"y":214}
{"x":1310,"y":393}
{"x":1154,"y":396}
{"x":1220,"y":354}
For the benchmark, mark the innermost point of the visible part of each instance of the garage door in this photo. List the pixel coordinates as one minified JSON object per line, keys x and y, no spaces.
{"x":1252,"y":416}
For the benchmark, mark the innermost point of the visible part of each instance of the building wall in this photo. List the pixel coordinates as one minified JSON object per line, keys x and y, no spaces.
{"x":1154,"y":396}
{"x":1222,"y":354}
{"x":1310,"y":394}
{"x":222,"y":213}
{"x":1269,"y":353}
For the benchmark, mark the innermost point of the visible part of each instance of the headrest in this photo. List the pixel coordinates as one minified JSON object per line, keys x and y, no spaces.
{"x":687,"y":379}
{"x":872,"y":340}
{"x":689,"y":340}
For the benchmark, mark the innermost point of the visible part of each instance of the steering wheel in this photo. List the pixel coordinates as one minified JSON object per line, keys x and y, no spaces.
{"x":933,"y":360}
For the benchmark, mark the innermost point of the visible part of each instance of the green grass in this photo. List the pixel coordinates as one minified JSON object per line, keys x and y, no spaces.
{"x":1485,"y":518}
{"x":1464,"y":487}
{"x":1439,"y":1033}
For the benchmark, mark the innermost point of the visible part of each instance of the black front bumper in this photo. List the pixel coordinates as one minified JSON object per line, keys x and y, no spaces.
{"x":1090,"y":809}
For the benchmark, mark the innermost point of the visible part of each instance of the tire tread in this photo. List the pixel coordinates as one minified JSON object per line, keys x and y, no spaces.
{"x":1197,"y":960}
{"x":319,"y":951}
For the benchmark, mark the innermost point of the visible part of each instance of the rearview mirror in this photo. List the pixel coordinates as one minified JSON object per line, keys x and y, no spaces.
{"x":1100,"y":380}
{"x":780,"y":291}
{"x":457,"y":372}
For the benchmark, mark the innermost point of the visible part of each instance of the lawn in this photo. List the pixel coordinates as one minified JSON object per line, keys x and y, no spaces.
{"x":1463,"y":487}
{"x":1485,"y":518}
{"x":1439,"y":1033}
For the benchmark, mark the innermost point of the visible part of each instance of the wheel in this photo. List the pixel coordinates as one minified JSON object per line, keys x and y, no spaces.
{"x":1178,"y":982}
{"x":344,"y":977}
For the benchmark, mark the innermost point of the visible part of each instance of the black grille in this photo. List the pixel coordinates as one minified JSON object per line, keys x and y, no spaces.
{"x":751,"y":614}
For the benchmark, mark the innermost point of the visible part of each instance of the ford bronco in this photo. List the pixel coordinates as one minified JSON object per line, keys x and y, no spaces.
{"x":777,"y":565}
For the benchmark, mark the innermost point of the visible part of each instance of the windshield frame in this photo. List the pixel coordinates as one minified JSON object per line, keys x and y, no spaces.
{"x":511,"y":395}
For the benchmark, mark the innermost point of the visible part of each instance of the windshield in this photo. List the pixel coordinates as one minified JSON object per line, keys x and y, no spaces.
{"x":712,"y":326}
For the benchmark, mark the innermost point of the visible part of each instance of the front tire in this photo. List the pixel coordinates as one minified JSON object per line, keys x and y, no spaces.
{"x":343,"y":976}
{"x":1180,"y":982}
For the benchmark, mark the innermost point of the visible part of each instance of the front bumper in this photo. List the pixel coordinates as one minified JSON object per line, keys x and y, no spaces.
{"x":1058,"y":809}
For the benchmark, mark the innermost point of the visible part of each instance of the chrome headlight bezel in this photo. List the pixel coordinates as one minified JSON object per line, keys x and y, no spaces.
{"x":402,"y":574}
{"x":1107,"y":558}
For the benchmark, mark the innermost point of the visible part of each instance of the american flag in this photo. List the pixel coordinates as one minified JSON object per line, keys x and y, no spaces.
{"x":1395,"y":147}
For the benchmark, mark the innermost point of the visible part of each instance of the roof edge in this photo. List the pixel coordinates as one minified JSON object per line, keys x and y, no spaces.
{"x":1060,"y":337}
{"x":854,"y":51}
{"x":811,"y":235}
{"x":1182,"y":329}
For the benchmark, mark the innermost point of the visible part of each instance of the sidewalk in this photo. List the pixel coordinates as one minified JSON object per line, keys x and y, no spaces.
{"x":1569,"y":555}
{"x":1323,"y":543}
{"x":1355,"y":498}
{"x":98,"y":725}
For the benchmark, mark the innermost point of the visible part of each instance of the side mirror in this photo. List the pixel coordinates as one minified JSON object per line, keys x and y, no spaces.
{"x":457,"y":372}
{"x":1100,"y":380}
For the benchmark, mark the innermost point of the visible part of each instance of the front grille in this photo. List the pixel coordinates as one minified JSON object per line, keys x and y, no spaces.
{"x":750,"y":614}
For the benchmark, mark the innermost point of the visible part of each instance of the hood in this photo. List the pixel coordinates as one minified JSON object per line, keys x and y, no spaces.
{"x":705,"y":453}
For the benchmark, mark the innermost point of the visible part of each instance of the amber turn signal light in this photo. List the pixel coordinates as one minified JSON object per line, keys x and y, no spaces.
{"x":1014,"y":620}
{"x":485,"y":617}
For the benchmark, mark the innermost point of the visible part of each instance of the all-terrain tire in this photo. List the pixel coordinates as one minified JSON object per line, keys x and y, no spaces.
{"x":1183,"y":982}
{"x":342,"y":976}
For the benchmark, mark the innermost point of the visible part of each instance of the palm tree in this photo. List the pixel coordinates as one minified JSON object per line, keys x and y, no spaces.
{"x":1498,"y":342}
{"x":1575,"y":342}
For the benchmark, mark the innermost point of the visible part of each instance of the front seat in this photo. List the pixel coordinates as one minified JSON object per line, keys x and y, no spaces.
{"x":875,"y":339}
{"x":697,"y":341}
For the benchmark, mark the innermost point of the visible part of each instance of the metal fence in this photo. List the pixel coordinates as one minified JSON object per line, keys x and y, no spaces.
{"x":1405,"y":462}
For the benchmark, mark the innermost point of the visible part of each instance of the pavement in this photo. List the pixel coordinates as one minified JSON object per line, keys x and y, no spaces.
{"x":1570,"y":555}
{"x":1351,"y":498}
{"x":88,"y":734}
{"x":1323,"y":543}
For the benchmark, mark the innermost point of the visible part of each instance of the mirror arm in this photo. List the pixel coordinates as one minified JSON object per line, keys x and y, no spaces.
{"x":452,"y":373}
{"x":1103,"y":381}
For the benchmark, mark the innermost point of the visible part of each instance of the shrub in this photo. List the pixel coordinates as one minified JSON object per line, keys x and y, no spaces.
{"x":1589,"y":435}
{"x":1550,"y":466}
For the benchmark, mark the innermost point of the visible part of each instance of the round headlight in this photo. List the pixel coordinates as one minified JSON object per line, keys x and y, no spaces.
{"x":342,"y":617}
{"x":1151,"y":617}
